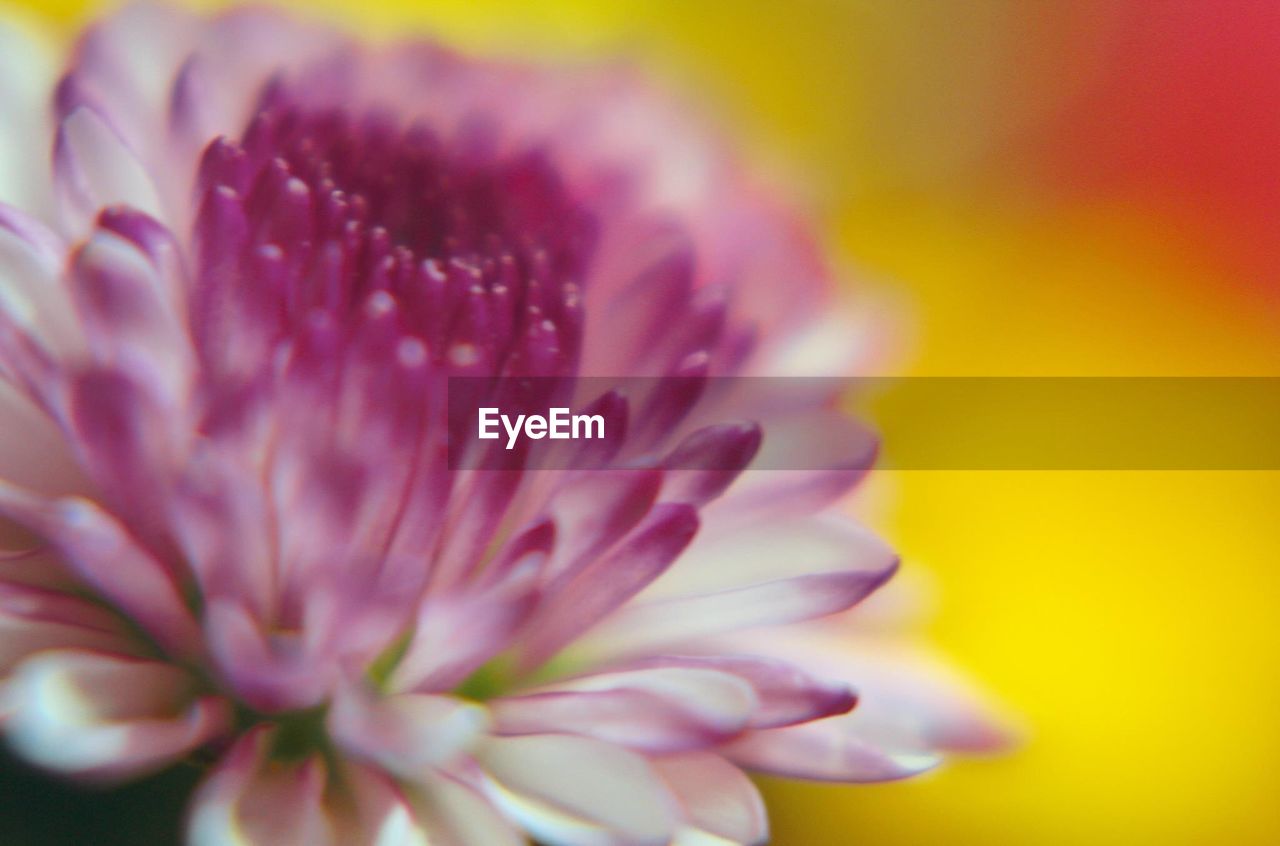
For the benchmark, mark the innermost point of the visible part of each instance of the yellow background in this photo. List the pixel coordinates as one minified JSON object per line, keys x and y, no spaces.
{"x":1127,"y":618}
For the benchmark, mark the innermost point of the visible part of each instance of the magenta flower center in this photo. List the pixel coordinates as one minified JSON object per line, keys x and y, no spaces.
{"x":336,"y":218}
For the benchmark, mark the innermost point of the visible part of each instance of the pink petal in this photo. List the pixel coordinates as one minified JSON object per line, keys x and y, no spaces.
{"x":741,"y":578}
{"x":105,"y":717}
{"x":126,"y":440}
{"x":34,"y":619}
{"x":36,"y":567}
{"x":903,"y":689}
{"x":661,"y":709}
{"x":577,"y":791}
{"x":669,"y":402}
{"x":592,"y":512}
{"x":270,"y":671}
{"x":673,"y":622}
{"x":716,"y":797}
{"x":235,"y":315}
{"x":94,"y":167}
{"x":733,"y":556}
{"x":524,"y":558}
{"x":808,"y":461}
{"x":610,"y":581}
{"x":195,"y":109}
{"x":129,"y":57}
{"x":597,"y":454}
{"x":36,"y":319}
{"x":123,"y":68}
{"x":831,"y":750}
{"x":640,"y":314}
{"x":44,"y":249}
{"x":786,"y":693}
{"x":221,"y":521}
{"x":27,"y":368}
{"x":476,"y":512}
{"x":249,"y":800}
{"x":102,"y":553}
{"x":701,"y":328}
{"x":454,"y":635}
{"x":708,"y":461}
{"x":33,"y":452}
{"x":129,"y":320}
{"x":240,"y":48}
{"x":407,"y":734}
{"x":324,"y":491}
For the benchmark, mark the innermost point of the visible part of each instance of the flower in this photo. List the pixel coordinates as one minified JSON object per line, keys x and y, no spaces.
{"x":226,"y":323}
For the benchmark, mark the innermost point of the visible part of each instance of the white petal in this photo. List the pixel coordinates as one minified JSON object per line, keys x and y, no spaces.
{"x":379,"y":813}
{"x":406,"y":734}
{"x":32,"y":296}
{"x":768,"y":551}
{"x":719,"y":801}
{"x":574,"y":791}
{"x":773,"y":573}
{"x":832,"y":345}
{"x":835,"y":749}
{"x":27,"y":76}
{"x":695,"y":837}
{"x":457,"y":815}
{"x":250,"y":801}
{"x":399,"y":828}
{"x":105,"y":717}
{"x":786,"y":694}
{"x":684,"y":621}
{"x":905,"y":690}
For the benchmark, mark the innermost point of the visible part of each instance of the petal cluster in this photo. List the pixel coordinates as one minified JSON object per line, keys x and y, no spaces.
{"x":227,"y":320}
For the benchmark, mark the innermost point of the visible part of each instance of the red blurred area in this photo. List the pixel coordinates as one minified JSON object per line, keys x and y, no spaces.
{"x":1175,"y":107}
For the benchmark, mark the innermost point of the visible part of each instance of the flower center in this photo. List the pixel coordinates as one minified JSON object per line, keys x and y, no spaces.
{"x":481,"y":253}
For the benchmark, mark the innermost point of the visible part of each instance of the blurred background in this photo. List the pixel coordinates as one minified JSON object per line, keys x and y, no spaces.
{"x":1048,"y":187}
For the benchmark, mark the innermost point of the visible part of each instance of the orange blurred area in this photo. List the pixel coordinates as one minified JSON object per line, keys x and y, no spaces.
{"x":1068,"y":187}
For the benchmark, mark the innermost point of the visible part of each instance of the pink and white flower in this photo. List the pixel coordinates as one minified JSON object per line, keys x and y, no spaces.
{"x":225,"y":321}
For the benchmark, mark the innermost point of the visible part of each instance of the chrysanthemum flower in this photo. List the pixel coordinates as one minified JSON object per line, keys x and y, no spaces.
{"x":226,"y":318}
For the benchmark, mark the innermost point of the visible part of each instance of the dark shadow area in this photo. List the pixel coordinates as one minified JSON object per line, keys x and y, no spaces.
{"x":36,"y":810}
